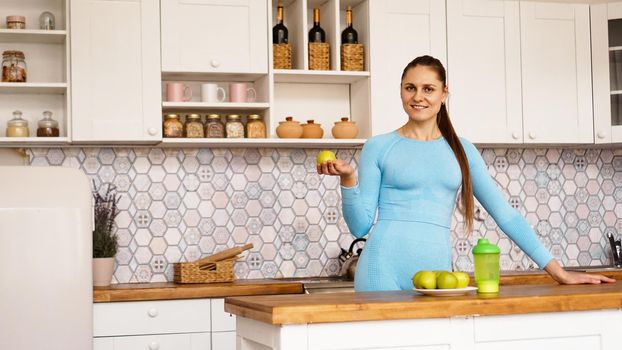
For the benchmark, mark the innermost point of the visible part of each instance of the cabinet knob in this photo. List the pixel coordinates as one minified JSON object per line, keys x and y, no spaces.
{"x":601,"y":134}
{"x":154,"y":346}
{"x":515,"y":135}
{"x":532,"y":135}
{"x":153,"y":312}
{"x":152,"y":131}
{"x":215,"y":63}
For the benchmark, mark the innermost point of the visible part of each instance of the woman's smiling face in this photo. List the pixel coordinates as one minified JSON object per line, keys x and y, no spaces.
{"x":422,"y":93}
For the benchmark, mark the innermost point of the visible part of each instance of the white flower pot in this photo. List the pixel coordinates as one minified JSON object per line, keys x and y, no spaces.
{"x":102,"y":271}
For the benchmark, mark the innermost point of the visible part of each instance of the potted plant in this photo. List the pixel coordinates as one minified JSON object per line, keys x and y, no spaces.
{"x":104,"y":239}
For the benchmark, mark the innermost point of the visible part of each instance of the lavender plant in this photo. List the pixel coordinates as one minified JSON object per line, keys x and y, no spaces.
{"x":105,"y":210}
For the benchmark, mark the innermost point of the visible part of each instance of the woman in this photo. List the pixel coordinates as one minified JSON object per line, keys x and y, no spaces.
{"x":411,"y":178}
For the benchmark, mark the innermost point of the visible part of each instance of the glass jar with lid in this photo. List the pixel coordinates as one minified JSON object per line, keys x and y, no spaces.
{"x":47,"y":21}
{"x":13,"y":67}
{"x":172,"y":126}
{"x":193,"y":127}
{"x":255,"y":127}
{"x":17,"y":127}
{"x":47,"y":127}
{"x":16,"y":22}
{"x":214,"y":127}
{"x":234,"y":127}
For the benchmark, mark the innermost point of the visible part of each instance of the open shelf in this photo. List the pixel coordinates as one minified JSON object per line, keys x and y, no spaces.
{"x":213,"y":106}
{"x":32,"y":36}
{"x":33,"y":88}
{"x":267,"y":143}
{"x":209,"y":76}
{"x":33,"y":141}
{"x":318,"y":76}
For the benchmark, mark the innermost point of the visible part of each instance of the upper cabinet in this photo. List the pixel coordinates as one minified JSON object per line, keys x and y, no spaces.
{"x":214,"y":36}
{"x":400,"y":30}
{"x":556,"y":74}
{"x":607,"y":71}
{"x":115,"y":70}
{"x":484,"y":74}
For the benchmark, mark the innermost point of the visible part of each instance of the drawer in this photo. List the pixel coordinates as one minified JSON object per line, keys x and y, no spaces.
{"x":151,"y":317}
{"x":221,"y":321}
{"x":224,"y":341}
{"x":194,"y":341}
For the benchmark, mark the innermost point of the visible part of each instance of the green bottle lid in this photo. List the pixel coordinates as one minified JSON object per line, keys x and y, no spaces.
{"x":485,"y":247}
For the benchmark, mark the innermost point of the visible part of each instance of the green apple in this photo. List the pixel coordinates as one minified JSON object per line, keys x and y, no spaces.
{"x":325,"y":156}
{"x":416,"y":278}
{"x":446,"y":280}
{"x":463,"y":279}
{"x":427,"y":280}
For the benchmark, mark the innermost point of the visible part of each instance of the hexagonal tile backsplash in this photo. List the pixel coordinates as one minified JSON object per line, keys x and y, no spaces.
{"x":181,"y":204}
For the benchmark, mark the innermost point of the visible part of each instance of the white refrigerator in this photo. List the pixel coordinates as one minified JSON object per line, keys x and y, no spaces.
{"x":46,"y":289}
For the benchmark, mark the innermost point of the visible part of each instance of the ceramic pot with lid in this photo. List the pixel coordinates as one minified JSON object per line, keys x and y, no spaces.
{"x":312,"y":130}
{"x":289,"y":129}
{"x":345,"y":129}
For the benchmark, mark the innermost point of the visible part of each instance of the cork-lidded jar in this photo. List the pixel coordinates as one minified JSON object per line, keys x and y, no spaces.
{"x":345,"y":129}
{"x":289,"y":129}
{"x":312,"y":130}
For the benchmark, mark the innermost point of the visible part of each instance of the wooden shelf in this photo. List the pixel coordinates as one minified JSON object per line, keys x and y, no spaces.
{"x":211,"y":76}
{"x":213,"y":106}
{"x":33,"y":88}
{"x":318,"y":76}
{"x":265,"y":143}
{"x":33,"y":141}
{"x":33,"y":36}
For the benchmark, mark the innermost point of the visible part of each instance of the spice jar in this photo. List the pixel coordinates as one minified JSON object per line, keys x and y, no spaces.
{"x":312,"y":130}
{"x":214,"y":128}
{"x":47,"y":127}
{"x":13,"y":67}
{"x":234,"y":127}
{"x":194,"y":126}
{"x":17,"y":127}
{"x":16,"y":22}
{"x":172,"y":126}
{"x":255,"y":127}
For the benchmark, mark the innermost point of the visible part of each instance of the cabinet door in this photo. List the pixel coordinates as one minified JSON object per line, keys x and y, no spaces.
{"x":215,"y":36}
{"x":191,"y":341}
{"x":115,"y":71}
{"x":556,"y":72}
{"x":223,"y":341}
{"x":222,"y":321}
{"x":484,"y":76}
{"x":400,"y":30}
{"x":607,"y":71}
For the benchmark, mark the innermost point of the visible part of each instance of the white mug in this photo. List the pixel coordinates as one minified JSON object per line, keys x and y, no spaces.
{"x":211,"y":92}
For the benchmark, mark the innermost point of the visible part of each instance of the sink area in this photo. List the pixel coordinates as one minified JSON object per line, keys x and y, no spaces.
{"x":327,"y":286}
{"x":596,"y":268}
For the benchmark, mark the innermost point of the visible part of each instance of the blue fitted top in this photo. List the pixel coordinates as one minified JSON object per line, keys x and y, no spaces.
{"x":405,"y":179}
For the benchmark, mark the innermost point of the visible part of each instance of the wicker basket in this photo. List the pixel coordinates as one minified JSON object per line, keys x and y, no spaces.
{"x":214,"y":268}
{"x":352,"y":57}
{"x":319,"y":56}
{"x":282,"y":56}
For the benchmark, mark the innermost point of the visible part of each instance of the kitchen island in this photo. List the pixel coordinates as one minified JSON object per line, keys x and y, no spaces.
{"x":519,"y":317}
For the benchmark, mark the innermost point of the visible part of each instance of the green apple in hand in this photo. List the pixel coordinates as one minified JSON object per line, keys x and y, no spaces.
{"x":325,"y":156}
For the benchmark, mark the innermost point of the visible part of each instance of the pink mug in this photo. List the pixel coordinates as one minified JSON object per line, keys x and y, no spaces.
{"x":178,"y":92}
{"x":240,"y":92}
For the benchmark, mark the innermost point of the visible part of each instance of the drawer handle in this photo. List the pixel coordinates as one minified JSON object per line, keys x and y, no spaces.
{"x":215,"y":63}
{"x":152,"y":131}
{"x":154,"y":346}
{"x":153,"y":312}
{"x":515,"y":135}
{"x":601,"y":135}
{"x":532,"y":135}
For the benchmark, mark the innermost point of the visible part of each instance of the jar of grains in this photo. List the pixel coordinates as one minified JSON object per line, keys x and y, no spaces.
{"x":234,"y":127}
{"x":255,"y":127}
{"x":172,"y":126}
{"x":194,"y":126}
{"x":17,"y":127}
{"x":13,"y":67}
{"x":16,"y":22}
{"x":214,"y":127}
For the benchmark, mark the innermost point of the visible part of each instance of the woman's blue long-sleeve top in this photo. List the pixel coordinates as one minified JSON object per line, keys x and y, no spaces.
{"x":409,"y":180}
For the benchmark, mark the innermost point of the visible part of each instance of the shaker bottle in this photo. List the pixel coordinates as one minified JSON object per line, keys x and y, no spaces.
{"x":486,"y":256}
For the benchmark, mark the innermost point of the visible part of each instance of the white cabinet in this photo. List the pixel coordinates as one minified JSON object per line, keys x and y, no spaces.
{"x":484,"y":73}
{"x":115,"y":70}
{"x":214,"y":36}
{"x":223,"y":326}
{"x":607,"y":71}
{"x":400,"y":30}
{"x":192,"y":341}
{"x":556,"y":74}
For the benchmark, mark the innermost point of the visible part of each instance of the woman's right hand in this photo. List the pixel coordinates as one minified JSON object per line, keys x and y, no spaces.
{"x":337,"y":167}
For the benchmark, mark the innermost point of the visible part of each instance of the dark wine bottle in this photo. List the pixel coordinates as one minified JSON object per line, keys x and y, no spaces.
{"x":317,"y":34}
{"x":349,"y":35}
{"x":279,"y":31}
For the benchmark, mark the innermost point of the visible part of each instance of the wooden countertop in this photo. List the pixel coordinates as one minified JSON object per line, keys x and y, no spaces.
{"x":169,"y":290}
{"x":344,"y":307}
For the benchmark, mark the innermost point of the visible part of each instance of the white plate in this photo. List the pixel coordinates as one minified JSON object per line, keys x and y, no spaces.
{"x":446,"y":292}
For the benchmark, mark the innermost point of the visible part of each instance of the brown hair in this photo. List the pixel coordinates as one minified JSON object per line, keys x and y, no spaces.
{"x":448,"y":132}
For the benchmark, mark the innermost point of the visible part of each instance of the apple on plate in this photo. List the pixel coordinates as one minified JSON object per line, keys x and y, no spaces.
{"x":325,"y":156}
